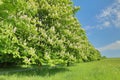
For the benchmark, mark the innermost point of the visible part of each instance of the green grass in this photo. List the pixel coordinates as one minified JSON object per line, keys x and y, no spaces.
{"x":107,"y":69}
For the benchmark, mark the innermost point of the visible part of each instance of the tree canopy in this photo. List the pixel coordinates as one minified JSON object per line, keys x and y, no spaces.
{"x":43,"y":32}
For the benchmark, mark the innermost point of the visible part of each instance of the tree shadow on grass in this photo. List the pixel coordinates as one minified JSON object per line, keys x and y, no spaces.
{"x":34,"y":71}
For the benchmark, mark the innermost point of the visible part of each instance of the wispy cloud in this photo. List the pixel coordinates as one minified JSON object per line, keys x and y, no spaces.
{"x":112,"y":46}
{"x":110,"y":15}
{"x":89,"y":27}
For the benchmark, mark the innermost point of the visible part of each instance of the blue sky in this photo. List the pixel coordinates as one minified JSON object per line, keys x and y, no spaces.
{"x":101,"y":20}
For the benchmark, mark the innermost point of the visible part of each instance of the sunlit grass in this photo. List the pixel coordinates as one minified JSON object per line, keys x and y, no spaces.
{"x":107,"y":69}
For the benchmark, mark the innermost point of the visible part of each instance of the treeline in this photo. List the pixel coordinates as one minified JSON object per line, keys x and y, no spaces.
{"x":44,"y":32}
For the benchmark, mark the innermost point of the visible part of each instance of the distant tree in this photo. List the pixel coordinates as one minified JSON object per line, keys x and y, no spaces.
{"x":104,"y":57}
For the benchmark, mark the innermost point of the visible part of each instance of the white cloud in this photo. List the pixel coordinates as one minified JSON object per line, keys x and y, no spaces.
{"x":112,"y":46}
{"x":89,"y":27}
{"x":106,"y":23}
{"x":118,"y":1}
{"x":110,"y":16}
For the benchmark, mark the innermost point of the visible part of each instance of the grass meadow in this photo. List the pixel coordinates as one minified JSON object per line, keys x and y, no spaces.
{"x":106,"y":69}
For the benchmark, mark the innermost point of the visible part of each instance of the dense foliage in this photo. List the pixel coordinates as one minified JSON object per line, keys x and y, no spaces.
{"x":42,"y":32}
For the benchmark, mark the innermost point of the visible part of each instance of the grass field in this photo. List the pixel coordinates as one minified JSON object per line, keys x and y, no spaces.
{"x":107,"y":69}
